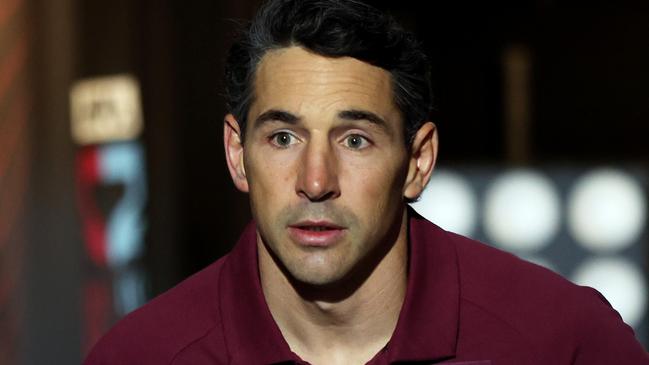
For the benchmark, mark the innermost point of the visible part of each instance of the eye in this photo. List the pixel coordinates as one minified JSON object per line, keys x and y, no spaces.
{"x":283,"y":139}
{"x":356,"y":141}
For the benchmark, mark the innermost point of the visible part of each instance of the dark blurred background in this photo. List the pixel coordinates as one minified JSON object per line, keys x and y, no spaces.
{"x":518,"y":83}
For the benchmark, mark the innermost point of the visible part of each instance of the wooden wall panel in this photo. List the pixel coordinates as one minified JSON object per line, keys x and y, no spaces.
{"x":15,"y":100}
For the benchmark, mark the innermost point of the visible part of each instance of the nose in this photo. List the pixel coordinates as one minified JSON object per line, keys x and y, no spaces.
{"x":318,"y":173}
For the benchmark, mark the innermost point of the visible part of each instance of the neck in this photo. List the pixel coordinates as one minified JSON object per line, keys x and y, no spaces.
{"x":350,"y":329}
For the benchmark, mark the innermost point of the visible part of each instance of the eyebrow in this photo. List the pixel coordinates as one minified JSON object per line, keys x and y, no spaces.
{"x":355,"y":114}
{"x":278,"y":115}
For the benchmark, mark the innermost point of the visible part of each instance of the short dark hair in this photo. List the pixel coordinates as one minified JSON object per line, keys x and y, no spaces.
{"x":332,"y":28}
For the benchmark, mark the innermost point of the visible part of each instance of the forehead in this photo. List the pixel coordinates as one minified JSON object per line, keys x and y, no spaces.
{"x":300,"y":81}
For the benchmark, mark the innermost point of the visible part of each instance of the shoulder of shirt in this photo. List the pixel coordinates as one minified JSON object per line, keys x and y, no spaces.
{"x":161,"y":329}
{"x":547,"y":310}
{"x":488,"y":274}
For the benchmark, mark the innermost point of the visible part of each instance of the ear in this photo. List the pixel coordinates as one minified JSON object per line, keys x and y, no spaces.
{"x":422,"y":158}
{"x":234,"y":152}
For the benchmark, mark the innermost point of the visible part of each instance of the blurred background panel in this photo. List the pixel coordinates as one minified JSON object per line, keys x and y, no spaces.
{"x":91,"y":228}
{"x":16,"y":55}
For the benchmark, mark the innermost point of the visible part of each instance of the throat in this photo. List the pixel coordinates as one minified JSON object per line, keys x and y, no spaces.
{"x":353,"y":319}
{"x":357,"y":326}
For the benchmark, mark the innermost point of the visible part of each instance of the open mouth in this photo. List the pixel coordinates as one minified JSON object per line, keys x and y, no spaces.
{"x":317,"y":228}
{"x":311,"y":233}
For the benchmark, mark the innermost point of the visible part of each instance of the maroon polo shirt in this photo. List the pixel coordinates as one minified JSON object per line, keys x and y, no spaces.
{"x":466,"y":303}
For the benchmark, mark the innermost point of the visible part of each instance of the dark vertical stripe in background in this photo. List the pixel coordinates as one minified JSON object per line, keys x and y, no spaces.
{"x":14,"y":171}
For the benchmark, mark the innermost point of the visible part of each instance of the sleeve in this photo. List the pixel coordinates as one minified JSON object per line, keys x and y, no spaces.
{"x":132,"y":341}
{"x":97,"y":356}
{"x":602,"y":337}
{"x":110,"y":352}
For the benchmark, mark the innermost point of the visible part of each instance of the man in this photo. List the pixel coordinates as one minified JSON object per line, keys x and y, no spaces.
{"x":330,"y":134}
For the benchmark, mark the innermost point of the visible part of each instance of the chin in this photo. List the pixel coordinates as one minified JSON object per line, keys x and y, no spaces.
{"x":317,"y":278}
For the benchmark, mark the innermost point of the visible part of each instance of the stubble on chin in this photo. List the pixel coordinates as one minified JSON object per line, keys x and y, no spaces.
{"x":317,"y":266}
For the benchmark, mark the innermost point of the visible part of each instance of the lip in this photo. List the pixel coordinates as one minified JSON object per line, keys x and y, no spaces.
{"x":304,"y":236}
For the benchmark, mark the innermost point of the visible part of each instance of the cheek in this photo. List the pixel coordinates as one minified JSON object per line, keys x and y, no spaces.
{"x":374,"y":187}
{"x":269,"y":176}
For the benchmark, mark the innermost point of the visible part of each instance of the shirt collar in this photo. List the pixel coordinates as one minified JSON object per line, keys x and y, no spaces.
{"x":251,"y":334}
{"x":427,"y":327}
{"x":428,"y":324}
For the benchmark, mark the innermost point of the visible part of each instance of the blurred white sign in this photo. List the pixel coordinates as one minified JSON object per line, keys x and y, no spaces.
{"x":105,"y":109}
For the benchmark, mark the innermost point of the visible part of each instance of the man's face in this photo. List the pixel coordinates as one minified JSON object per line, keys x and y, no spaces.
{"x":325,"y":162}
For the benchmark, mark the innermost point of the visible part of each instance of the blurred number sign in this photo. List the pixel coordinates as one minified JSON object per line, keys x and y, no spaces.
{"x":105,"y":109}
